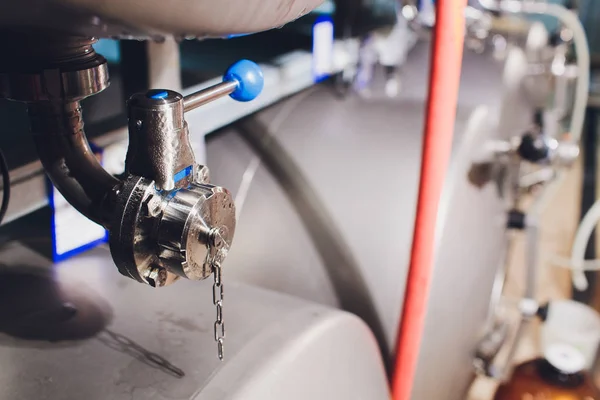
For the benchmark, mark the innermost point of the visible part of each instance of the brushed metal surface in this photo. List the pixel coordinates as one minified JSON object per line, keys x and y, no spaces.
{"x":159,"y":144}
{"x":170,"y":230}
{"x":68,"y":158}
{"x":47,"y":66}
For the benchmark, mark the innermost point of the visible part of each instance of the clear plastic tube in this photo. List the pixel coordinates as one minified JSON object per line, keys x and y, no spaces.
{"x":582,"y":237}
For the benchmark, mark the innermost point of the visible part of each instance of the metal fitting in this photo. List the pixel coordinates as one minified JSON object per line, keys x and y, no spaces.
{"x":488,"y":348}
{"x":156,"y":276}
{"x":50,"y":68}
{"x":218,"y":237}
{"x":165,"y":220}
{"x":159,"y":146}
{"x":52,"y":73}
{"x":194,"y":225}
{"x":186,"y":240}
{"x":153,"y":206}
{"x":203,"y":174}
{"x":565,"y":154}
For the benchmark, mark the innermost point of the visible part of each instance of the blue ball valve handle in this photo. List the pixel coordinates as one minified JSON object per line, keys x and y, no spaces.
{"x":151,"y":137}
{"x":249,"y":78}
{"x":243,"y":81}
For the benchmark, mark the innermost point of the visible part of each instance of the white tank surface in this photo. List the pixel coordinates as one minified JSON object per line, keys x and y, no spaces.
{"x":362,"y":159}
{"x":152,"y":18}
{"x":98,"y":335}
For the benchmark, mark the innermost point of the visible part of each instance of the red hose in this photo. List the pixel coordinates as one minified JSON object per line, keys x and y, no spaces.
{"x":444,"y":82}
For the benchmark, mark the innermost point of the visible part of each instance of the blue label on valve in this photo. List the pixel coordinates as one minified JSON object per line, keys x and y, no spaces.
{"x":183,"y":173}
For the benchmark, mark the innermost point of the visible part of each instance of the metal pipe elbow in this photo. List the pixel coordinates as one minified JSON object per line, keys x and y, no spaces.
{"x":69,"y":161}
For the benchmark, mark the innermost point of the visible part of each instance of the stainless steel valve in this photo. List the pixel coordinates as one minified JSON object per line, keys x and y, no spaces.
{"x":169,"y":221}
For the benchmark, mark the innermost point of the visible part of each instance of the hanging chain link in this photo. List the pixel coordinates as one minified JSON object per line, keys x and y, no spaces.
{"x":220,"y":247}
{"x":219,"y":327}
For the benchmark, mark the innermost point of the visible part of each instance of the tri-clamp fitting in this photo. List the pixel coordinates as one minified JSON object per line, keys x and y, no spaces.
{"x":164,"y":217}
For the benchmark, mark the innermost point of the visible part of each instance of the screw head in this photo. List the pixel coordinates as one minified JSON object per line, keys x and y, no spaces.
{"x":156,"y":276}
{"x":217,"y":237}
{"x":153,"y":206}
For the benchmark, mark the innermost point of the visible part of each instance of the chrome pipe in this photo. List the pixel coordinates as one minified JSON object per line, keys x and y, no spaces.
{"x":69,"y":161}
{"x":202,"y":97}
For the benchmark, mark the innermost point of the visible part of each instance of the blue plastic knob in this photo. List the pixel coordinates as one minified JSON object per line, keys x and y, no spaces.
{"x":249,"y":78}
{"x":157,"y":94}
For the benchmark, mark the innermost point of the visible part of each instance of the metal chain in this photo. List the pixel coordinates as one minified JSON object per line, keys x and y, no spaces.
{"x":220,"y":248}
{"x":219,"y":327}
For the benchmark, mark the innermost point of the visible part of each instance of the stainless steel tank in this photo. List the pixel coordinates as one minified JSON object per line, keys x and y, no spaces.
{"x":362,"y":159}
{"x":155,"y":18}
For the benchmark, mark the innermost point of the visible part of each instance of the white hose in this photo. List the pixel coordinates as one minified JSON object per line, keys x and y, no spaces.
{"x":570,"y":20}
{"x":577,"y":262}
{"x":582,"y":237}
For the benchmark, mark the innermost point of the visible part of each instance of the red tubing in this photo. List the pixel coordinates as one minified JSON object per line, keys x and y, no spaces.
{"x":444,"y":82}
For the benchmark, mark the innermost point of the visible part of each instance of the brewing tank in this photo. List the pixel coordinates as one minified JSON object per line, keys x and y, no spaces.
{"x":359,"y":159}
